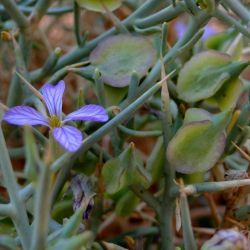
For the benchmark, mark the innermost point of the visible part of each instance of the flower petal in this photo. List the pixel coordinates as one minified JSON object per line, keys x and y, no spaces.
{"x":24,"y":115}
{"x":208,"y":31}
{"x":180,"y":28}
{"x":53,"y":97}
{"x":90,"y":112}
{"x":70,"y":138}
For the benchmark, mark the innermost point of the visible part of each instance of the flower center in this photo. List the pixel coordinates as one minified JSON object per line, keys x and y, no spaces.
{"x":54,"y":122}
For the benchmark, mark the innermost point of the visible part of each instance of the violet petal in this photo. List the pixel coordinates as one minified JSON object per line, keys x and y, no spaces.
{"x":25,"y":115}
{"x":90,"y":112}
{"x":180,"y":28}
{"x":70,"y":138}
{"x":53,"y":97}
{"x":208,"y":31}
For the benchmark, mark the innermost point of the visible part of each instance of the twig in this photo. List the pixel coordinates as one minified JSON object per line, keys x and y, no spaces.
{"x":210,"y":187}
{"x":12,"y":8}
{"x":21,"y":219}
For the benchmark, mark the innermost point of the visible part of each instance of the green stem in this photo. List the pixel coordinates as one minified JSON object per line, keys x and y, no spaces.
{"x":192,"y":7}
{"x":209,"y":187}
{"x":142,"y":134}
{"x":50,"y":11}
{"x":223,"y":16}
{"x":16,"y":153}
{"x":42,"y":210}
{"x":133,"y":85}
{"x":187,"y":230}
{"x":99,"y":87}
{"x":39,"y":11}
{"x":17,"y":89}
{"x":238,"y":8}
{"x":167,"y":206}
{"x":77,"y":22}
{"x":49,"y":65}
{"x":7,"y":210}
{"x":26,"y":192}
{"x":21,"y":219}
{"x":165,"y":15}
{"x":16,"y":14}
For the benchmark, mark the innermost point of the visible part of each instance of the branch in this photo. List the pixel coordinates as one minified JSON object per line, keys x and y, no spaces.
{"x":210,"y":187}
{"x":21,"y":219}
{"x":12,"y":8}
{"x":7,"y":210}
{"x":239,"y":9}
{"x":39,"y":11}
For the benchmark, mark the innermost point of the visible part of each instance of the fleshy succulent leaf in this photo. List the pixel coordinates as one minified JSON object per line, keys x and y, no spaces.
{"x":126,"y":204}
{"x":196,"y":115}
{"x":198,"y":145}
{"x":227,"y":97}
{"x":205,"y":74}
{"x":125,"y":170}
{"x":119,"y":56}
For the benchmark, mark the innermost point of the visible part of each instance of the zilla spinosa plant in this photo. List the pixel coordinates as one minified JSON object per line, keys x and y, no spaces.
{"x":170,"y":85}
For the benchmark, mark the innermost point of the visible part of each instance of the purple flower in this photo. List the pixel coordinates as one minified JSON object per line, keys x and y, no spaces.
{"x":180,"y":28}
{"x":69,"y":137}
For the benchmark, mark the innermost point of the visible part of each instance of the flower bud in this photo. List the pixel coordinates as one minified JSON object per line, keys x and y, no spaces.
{"x":228,"y":239}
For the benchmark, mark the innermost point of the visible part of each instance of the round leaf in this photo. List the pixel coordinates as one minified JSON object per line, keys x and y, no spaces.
{"x":119,"y":56}
{"x":125,"y":170}
{"x":195,"y":148}
{"x":126,"y":204}
{"x":196,"y":115}
{"x":200,"y":77}
{"x":114,"y":95}
{"x":227,"y":97}
{"x":198,"y":145}
{"x":99,"y":5}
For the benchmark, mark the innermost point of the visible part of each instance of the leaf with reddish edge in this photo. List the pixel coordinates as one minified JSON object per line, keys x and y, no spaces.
{"x":196,"y":115}
{"x":198,"y":144}
{"x":227,"y":97}
{"x":125,"y":170}
{"x":205,"y":74}
{"x":117,"y":57}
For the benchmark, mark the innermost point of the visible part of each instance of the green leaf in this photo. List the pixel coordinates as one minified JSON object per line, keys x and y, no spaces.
{"x":127,"y":204}
{"x":72,"y":225}
{"x":125,"y":170}
{"x":205,"y":74}
{"x":77,"y":242}
{"x":235,"y":47}
{"x":196,"y":115}
{"x":227,"y":97}
{"x":198,"y":145}
{"x":220,"y":41}
{"x":98,"y":5}
{"x":117,"y":57}
{"x":33,"y":161}
{"x":114,"y":95}
{"x":155,"y":161}
{"x":7,"y":243}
